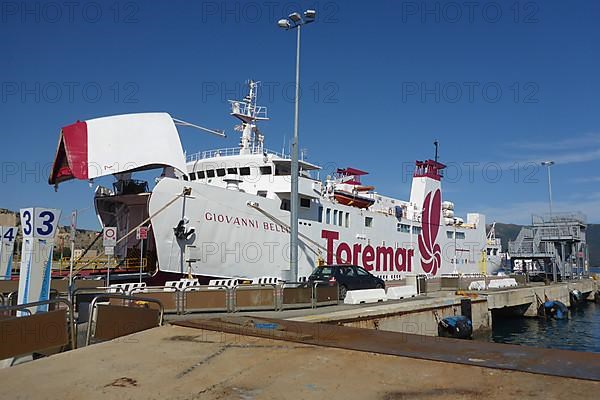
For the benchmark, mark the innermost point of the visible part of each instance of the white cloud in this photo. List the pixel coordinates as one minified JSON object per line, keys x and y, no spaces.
{"x":588,"y":179}
{"x":520,"y":212}
{"x":575,"y":149}
{"x":576,"y":142}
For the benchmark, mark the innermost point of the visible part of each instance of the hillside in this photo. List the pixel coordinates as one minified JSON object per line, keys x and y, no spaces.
{"x":510,"y":231}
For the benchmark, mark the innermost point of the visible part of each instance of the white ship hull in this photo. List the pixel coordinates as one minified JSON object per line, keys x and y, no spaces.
{"x":225,"y":213}
{"x":233,"y":239}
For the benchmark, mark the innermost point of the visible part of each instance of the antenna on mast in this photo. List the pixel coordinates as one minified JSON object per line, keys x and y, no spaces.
{"x":436,"y":144}
{"x":249,"y":114}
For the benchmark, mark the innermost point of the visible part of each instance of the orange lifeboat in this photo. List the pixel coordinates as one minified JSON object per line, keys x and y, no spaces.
{"x":349,"y":191}
{"x":352,"y":199}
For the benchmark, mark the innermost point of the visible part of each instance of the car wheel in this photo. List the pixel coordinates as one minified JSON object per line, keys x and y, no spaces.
{"x":343,"y":291}
{"x":379,"y":286}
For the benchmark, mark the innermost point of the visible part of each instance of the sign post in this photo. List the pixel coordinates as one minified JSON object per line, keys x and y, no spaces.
{"x":39,"y":227}
{"x":141,"y":234}
{"x":109,"y":240}
{"x":73,"y":231}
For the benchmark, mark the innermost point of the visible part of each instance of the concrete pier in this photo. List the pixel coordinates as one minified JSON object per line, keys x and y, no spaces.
{"x":417,"y":316}
{"x":420,"y":314}
{"x":174,"y":362}
{"x":525,"y":301}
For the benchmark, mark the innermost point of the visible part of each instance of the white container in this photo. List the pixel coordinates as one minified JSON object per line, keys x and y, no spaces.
{"x":447,"y":205}
{"x":448,"y":213}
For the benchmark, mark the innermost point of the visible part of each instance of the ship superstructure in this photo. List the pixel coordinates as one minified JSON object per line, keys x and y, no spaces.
{"x":226,"y":212}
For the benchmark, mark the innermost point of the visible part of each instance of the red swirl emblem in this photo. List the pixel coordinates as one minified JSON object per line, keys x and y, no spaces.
{"x":431,"y":259}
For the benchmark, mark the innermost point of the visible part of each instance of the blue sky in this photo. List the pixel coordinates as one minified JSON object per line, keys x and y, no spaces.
{"x":501,"y":85}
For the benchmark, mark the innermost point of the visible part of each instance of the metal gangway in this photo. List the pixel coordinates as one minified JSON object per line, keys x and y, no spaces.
{"x":554,"y":244}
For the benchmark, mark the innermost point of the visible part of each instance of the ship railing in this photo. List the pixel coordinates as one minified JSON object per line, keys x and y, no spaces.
{"x":231,"y":151}
{"x":244,"y":108}
{"x":129,"y":264}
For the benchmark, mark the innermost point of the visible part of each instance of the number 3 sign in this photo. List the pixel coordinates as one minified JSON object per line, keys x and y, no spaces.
{"x":40,"y":223}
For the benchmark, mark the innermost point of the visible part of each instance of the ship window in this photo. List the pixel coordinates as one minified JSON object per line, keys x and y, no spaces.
{"x":185,"y":178}
{"x":335,"y":217}
{"x":221,"y":172}
{"x":262,"y":193}
{"x":368,"y":222}
{"x":200,"y":174}
{"x":285,"y":204}
{"x":347,"y":220}
{"x":416,"y":230}
{"x":489,"y":252}
{"x":450,"y":234}
{"x":232,"y":171}
{"x":403,"y":228}
{"x":282,"y":169}
{"x":320,"y":215}
{"x":328,"y":216}
{"x":192,"y":176}
{"x":460,"y":235}
{"x":304,"y":202}
{"x":266,"y":170}
{"x":246,"y":171}
{"x":210,"y":173}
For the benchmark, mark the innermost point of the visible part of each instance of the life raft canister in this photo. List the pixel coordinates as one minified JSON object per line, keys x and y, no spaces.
{"x":458,"y":327}
{"x":554,"y":309}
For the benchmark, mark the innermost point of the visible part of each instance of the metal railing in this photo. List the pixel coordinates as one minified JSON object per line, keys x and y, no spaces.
{"x":206,"y":299}
{"x":26,"y":309}
{"x":129,"y":264}
{"x":169,"y":296}
{"x":127,"y":301}
{"x":261,"y":297}
{"x":230,"y":151}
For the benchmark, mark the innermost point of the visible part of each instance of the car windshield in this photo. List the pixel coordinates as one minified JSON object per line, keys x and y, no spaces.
{"x":322,"y":272}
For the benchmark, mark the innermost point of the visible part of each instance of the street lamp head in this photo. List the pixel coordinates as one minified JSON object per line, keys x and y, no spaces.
{"x":547,"y":163}
{"x":284,"y":23}
{"x":310,"y":15}
{"x":295,"y":17}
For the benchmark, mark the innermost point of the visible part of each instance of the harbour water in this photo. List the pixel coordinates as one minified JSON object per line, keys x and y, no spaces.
{"x":581,"y":332}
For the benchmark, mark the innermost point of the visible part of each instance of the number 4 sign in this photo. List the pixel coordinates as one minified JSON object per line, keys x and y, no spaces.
{"x":8,"y":233}
{"x":7,"y":244}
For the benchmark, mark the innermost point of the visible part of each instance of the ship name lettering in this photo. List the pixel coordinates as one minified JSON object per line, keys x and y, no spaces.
{"x":380,"y":258}
{"x":228,"y":219}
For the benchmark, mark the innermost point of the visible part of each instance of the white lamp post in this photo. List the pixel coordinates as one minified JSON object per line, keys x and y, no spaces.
{"x":295,"y":21}
{"x":548,"y":164}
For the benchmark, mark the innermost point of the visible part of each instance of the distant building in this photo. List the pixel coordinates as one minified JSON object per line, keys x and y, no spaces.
{"x":8,"y":218}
